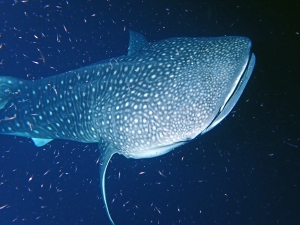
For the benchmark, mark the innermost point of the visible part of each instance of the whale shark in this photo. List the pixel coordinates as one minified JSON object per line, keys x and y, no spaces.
{"x":144,"y":104}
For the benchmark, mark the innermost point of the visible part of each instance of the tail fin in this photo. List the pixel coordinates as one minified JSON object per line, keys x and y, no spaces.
{"x":8,"y":87}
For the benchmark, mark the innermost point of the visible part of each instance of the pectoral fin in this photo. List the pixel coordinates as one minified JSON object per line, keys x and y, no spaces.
{"x":106,"y":152}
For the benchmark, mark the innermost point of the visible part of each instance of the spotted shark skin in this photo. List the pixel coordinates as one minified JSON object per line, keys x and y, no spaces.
{"x":141,"y":105}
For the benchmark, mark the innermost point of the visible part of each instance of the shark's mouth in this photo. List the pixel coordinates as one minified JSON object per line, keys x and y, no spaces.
{"x":234,"y":94}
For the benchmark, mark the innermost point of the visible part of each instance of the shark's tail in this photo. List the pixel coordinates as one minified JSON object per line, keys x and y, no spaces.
{"x":8,"y":88}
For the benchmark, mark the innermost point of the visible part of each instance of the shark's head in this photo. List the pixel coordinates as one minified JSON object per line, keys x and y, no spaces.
{"x":173,"y":90}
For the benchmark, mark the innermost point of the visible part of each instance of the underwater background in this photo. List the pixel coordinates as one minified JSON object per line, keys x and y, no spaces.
{"x":244,"y":171}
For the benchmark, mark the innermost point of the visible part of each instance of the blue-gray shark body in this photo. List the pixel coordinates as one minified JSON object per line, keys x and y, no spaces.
{"x":141,"y":105}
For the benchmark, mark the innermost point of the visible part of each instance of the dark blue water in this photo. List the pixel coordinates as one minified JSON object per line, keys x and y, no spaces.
{"x":244,"y":171}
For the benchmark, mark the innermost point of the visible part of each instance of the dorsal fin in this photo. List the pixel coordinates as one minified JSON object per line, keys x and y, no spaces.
{"x":137,"y":41}
{"x":106,"y":152}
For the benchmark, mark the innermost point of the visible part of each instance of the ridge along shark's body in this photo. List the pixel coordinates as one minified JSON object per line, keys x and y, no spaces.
{"x":141,"y":105}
